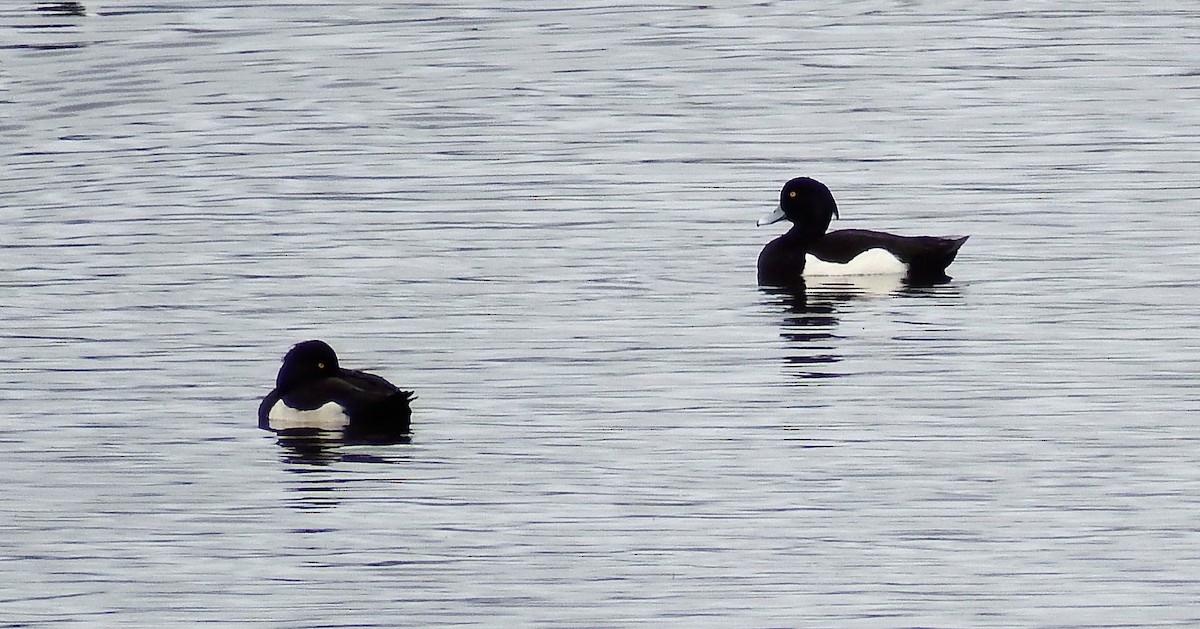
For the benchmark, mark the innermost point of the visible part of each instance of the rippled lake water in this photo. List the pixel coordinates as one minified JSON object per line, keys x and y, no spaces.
{"x":542,"y":220}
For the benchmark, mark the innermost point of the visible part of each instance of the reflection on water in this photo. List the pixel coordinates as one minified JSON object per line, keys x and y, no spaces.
{"x":65,"y":9}
{"x":45,"y":26}
{"x":857,"y":285}
{"x":810,"y":315}
{"x":318,"y":495}
{"x":307,"y":446}
{"x":807,"y":326}
{"x":323,"y":470}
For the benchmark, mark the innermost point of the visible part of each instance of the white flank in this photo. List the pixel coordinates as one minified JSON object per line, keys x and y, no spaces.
{"x":870,"y":262}
{"x":331,"y":416}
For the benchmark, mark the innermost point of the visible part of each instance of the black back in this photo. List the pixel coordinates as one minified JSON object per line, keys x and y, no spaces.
{"x":926,"y":256}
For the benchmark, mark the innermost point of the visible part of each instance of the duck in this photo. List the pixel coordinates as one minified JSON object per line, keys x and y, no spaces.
{"x":807,"y":250}
{"x":313,"y":393}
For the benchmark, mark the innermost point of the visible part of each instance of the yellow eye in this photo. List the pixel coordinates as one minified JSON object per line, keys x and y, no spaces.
{"x":792,"y":194}
{"x":320,"y":365}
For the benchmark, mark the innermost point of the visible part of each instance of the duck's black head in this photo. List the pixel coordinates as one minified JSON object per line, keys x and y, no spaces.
{"x":307,"y":361}
{"x":808,"y":204}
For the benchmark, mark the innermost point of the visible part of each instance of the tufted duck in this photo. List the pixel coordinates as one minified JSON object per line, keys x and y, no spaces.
{"x":807,"y":250}
{"x":312,"y":393}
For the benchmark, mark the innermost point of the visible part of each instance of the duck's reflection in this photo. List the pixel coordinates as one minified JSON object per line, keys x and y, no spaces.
{"x":63,"y":9}
{"x":325,"y":467}
{"x":309,"y":447}
{"x":810,"y":317}
{"x":305,"y":448}
{"x":808,"y":326}
{"x":54,"y":27}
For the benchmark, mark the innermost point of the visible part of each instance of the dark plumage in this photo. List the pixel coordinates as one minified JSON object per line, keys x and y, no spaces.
{"x":312,"y":392}
{"x":809,"y":205}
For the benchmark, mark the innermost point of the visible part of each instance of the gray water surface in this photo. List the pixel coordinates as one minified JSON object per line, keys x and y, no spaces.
{"x":542,"y":220}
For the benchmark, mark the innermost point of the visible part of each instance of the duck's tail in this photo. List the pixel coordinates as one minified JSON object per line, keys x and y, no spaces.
{"x":930,"y":267}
